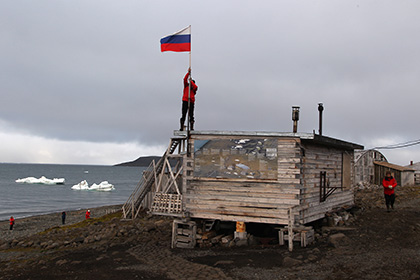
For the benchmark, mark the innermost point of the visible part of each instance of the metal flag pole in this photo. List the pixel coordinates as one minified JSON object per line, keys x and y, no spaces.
{"x":189,"y":89}
{"x":189,"y":99}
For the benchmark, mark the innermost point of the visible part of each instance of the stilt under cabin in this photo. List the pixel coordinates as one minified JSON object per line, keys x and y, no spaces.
{"x":279,"y":178}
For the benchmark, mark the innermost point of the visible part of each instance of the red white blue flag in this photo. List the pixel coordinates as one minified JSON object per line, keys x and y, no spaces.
{"x":178,"y":42}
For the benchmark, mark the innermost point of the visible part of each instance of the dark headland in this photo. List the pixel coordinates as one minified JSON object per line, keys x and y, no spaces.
{"x":141,"y":161}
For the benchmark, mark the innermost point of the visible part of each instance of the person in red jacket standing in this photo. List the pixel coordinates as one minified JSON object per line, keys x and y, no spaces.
{"x":12,"y":222}
{"x":389,"y":183}
{"x":190,"y":89}
{"x":87,"y":215}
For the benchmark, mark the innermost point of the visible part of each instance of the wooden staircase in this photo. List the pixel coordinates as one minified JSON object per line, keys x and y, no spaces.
{"x":152,"y":177}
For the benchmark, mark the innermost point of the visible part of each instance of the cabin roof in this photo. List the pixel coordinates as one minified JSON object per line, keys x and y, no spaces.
{"x":305,"y":137}
{"x":393,"y":166}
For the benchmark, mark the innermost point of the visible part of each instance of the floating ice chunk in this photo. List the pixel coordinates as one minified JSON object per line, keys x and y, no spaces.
{"x":27,"y":180}
{"x":42,"y":180}
{"x":59,"y":181}
{"x":55,"y":181}
{"x":83,"y":185}
{"x":104,"y":186}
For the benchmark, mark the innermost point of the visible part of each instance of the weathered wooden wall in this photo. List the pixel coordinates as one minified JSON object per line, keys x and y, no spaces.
{"x":241,"y":201}
{"x":267,"y":201}
{"x":332,"y":161}
{"x":264,"y":201}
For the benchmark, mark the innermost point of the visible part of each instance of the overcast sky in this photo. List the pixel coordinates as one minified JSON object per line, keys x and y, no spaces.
{"x":84,"y":82}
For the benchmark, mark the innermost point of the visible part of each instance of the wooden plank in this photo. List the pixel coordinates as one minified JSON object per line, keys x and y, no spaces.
{"x":314,"y":202}
{"x":217,"y":182}
{"x":286,"y":145}
{"x":286,"y":176}
{"x":232,"y":180}
{"x":276,"y":195}
{"x":233,"y":218}
{"x":238,"y":210}
{"x":245,"y":199}
{"x":288,"y":160}
{"x":289,"y":170}
{"x":259,"y":185}
{"x":269,"y":190}
{"x":289,"y":181}
{"x":184,"y":245}
{"x":184,"y":239}
{"x":194,"y":202}
{"x":324,"y":208}
{"x":232,"y":187}
{"x":337,"y":193}
{"x":314,"y":171}
{"x":238,"y":214}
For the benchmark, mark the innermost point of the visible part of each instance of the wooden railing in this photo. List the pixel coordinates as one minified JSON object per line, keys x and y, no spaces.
{"x":133,"y":205}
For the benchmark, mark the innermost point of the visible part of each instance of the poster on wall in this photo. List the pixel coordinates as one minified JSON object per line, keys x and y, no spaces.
{"x":236,"y":158}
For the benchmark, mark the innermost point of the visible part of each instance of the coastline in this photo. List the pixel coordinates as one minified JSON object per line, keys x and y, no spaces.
{"x":27,"y":226}
{"x":108,"y":247}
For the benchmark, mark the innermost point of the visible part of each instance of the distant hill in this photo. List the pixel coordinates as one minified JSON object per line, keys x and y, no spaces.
{"x":141,"y":161}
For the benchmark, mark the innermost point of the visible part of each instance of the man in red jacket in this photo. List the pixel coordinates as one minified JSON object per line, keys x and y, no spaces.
{"x":12,"y":222}
{"x":87,"y":215}
{"x":190,"y":89}
{"x":389,"y":183}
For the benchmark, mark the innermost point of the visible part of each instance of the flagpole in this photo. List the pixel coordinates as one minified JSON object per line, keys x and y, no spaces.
{"x":189,"y":89}
{"x":189,"y":100}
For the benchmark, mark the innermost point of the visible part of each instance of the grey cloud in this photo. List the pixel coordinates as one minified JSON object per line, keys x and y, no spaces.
{"x":93,"y":71}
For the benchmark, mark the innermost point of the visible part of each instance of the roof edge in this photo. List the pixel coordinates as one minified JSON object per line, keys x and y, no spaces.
{"x":393,"y":166}
{"x":312,"y":137}
{"x":245,"y":133}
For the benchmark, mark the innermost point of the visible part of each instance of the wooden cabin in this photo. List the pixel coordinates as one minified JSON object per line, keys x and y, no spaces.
{"x":364,"y":167}
{"x":416,"y":167}
{"x":403,"y":175}
{"x":262,"y":177}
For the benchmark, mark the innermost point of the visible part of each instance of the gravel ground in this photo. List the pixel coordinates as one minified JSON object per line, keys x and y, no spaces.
{"x":28,"y":226}
{"x":378,"y":245}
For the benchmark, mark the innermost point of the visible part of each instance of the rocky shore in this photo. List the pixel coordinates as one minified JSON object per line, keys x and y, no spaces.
{"x":375,"y":245}
{"x":25,"y":227}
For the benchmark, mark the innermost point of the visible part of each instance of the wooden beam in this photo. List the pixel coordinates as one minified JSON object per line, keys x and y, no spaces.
{"x":241,"y":198}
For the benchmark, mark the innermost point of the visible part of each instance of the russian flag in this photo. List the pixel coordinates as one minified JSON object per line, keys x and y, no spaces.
{"x":178,"y":42}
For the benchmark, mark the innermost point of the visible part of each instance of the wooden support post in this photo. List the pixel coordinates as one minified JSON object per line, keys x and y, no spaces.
{"x":290,"y":229}
{"x":132,"y":209}
{"x":183,"y":234}
{"x":281,"y":237}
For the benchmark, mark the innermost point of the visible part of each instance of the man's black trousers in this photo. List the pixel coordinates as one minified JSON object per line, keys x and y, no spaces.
{"x":185,"y":110}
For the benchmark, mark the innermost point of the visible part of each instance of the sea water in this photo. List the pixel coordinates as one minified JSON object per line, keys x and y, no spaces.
{"x":23,"y":200}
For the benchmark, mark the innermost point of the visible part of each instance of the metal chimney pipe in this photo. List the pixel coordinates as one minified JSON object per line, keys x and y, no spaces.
{"x":295,"y":117}
{"x":320,"y":109}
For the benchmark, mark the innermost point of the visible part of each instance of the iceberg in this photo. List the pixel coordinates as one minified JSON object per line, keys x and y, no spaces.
{"x":83,"y":185}
{"x":42,"y":180}
{"x":104,"y":186}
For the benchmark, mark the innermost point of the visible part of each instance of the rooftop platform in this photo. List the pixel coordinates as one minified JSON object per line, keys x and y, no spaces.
{"x":315,"y":138}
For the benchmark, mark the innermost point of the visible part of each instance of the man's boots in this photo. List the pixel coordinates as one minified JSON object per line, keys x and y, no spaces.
{"x":191,"y":125}
{"x":182,"y":125}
